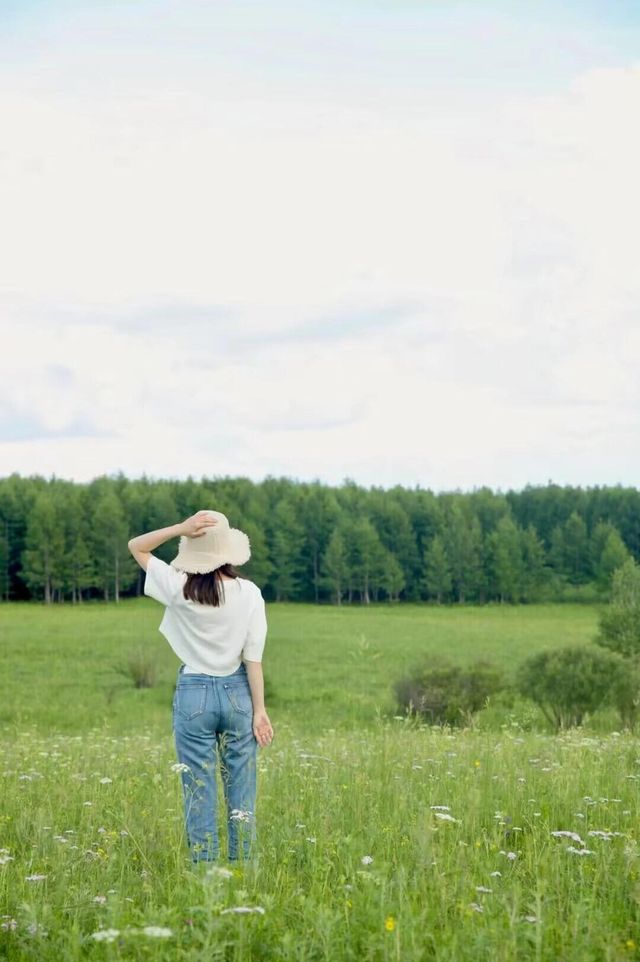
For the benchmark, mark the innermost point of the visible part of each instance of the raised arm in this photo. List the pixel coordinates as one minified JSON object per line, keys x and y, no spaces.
{"x":194,"y":527}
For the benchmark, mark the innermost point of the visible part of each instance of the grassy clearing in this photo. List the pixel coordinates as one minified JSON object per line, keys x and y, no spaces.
{"x":323,"y":665}
{"x":378,"y":839}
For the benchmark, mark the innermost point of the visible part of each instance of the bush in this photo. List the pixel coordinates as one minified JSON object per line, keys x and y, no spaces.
{"x":568,"y":684}
{"x":625,"y":693}
{"x":445,"y":693}
{"x":141,"y":668}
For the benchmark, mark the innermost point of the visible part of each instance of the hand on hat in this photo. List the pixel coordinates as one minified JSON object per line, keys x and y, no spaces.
{"x":197,"y":524}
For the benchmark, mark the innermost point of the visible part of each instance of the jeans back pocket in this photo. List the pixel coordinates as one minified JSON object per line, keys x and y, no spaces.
{"x":240,"y":697}
{"x":190,"y":700}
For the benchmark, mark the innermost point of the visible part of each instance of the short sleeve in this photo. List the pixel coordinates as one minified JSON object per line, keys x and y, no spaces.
{"x":256,"y":632}
{"x":162,"y":582}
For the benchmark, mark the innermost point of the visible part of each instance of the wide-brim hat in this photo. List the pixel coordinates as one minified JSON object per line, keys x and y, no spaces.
{"x":220,"y":544}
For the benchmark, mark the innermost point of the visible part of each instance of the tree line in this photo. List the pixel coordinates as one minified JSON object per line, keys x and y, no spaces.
{"x":67,"y":541}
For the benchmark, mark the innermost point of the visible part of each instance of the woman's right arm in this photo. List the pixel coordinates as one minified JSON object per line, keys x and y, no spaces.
{"x":261,"y":725}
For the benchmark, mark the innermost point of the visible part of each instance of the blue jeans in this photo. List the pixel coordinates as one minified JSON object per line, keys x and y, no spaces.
{"x":211,"y":714}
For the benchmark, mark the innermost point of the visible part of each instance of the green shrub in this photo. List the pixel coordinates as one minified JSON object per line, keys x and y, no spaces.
{"x":625,"y":693}
{"x":569,"y":684}
{"x":444,"y":693}
{"x":141,"y":668}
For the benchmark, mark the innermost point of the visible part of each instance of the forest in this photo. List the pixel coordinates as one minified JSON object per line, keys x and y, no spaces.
{"x":66,"y":541}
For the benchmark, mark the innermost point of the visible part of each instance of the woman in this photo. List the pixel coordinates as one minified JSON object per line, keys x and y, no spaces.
{"x":215,"y":622}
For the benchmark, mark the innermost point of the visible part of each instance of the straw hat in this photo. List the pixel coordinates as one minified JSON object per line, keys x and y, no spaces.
{"x":220,"y":544}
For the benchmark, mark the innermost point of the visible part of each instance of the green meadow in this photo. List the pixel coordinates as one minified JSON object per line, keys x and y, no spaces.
{"x":379,"y":838}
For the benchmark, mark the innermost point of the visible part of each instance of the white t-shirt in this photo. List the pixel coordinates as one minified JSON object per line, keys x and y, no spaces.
{"x":209,"y":639}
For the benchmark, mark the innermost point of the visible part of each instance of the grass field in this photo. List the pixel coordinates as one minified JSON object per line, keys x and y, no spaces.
{"x":323,"y":665}
{"x":378,"y":839}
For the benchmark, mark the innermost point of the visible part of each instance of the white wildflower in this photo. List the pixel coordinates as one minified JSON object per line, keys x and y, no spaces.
{"x":572,"y":835}
{"x":579,"y":851}
{"x":440,"y":808}
{"x":244,"y":909}
{"x":100,"y":899}
{"x":220,"y":870}
{"x":179,"y":767}
{"x":156,"y":932}
{"x":496,"y":874}
{"x":6,"y":858}
{"x":105,"y":935}
{"x":106,"y":781}
{"x":483,"y":888}
{"x":476,"y":907}
{"x":531,"y":918}
{"x":237,"y":814}
{"x":34,"y":878}
{"x":10,"y":925}
{"x":445,"y":817}
{"x":310,"y":838}
{"x":367,"y":859}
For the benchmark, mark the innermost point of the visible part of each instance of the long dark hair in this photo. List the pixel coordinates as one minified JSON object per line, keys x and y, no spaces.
{"x":208,"y":589}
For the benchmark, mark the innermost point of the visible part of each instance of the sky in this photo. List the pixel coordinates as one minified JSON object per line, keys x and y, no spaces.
{"x":393,"y":241}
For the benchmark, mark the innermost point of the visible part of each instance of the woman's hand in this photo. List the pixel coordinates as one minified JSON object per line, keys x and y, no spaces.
{"x":197,"y":524}
{"x":262,"y":728}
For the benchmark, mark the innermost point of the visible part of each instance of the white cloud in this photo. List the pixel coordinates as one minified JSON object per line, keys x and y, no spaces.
{"x":204,"y":269}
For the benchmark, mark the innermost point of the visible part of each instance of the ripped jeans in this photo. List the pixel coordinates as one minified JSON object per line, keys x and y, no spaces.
{"x":213,"y":715}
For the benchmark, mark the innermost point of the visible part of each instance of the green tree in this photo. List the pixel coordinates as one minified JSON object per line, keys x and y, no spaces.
{"x":613,"y":555}
{"x":366,"y":557}
{"x":392,"y":579}
{"x":42,"y":558}
{"x":437,"y":571}
{"x":335,"y":566}
{"x":393,"y":525}
{"x":114,"y":565}
{"x":287,"y":544}
{"x":619,"y":627}
{"x":5,"y":580}
{"x":507,"y":565}
{"x":534,"y":570}
{"x":319,"y":513}
{"x":79,"y":566}
{"x":570,"y":550}
{"x":259,"y":568}
{"x":463,"y":542}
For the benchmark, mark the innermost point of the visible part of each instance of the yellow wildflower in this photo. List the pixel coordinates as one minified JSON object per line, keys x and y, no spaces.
{"x":389,"y":923}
